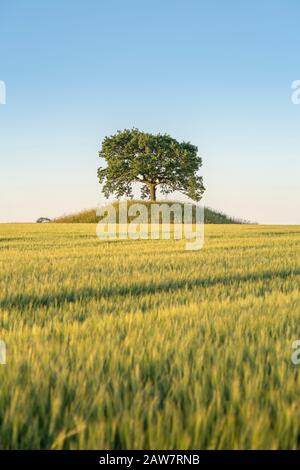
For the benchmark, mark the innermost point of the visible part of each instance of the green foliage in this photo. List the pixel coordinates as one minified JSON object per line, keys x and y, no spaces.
{"x":133,"y":156}
{"x":143,"y":345}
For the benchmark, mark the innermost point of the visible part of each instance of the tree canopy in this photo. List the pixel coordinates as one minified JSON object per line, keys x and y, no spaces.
{"x":133,"y":156}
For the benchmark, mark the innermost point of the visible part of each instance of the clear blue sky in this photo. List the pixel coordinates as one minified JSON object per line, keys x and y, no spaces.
{"x":213,"y":72}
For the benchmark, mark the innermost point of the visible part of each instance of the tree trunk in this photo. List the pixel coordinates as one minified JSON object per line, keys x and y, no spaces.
{"x":152,"y":188}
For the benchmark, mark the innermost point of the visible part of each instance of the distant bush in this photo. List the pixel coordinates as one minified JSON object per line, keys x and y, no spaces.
{"x":43,"y":220}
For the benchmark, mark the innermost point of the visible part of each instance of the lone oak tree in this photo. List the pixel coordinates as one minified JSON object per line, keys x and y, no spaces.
{"x":152,"y":160}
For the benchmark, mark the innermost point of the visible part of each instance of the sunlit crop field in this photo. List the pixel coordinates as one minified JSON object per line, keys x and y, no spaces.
{"x":143,"y":345}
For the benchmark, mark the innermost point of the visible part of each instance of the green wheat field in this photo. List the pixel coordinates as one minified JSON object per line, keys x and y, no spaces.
{"x":143,"y":345}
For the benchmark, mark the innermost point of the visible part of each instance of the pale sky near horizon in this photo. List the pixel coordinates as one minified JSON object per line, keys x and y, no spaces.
{"x":215,"y":73}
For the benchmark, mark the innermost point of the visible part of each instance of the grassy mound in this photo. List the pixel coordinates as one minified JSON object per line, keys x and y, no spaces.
{"x":211,"y":216}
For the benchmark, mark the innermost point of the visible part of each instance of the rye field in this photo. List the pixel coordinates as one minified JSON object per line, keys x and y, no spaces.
{"x":143,"y":345}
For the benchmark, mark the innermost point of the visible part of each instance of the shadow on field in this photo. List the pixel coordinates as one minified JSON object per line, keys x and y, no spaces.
{"x":89,"y":293}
